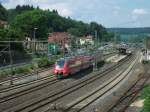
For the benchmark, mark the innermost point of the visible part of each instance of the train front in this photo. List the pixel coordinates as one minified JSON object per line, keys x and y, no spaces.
{"x":60,"y":68}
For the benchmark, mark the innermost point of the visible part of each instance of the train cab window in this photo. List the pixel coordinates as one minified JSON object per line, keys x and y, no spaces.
{"x":60,"y":63}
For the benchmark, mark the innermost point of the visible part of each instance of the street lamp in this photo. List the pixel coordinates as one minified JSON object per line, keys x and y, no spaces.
{"x":34,"y":39}
{"x":33,"y":51}
{"x":11,"y":62}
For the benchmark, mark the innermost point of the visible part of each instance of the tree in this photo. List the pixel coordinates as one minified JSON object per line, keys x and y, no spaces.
{"x":3,"y":13}
{"x":25,"y":18}
{"x":74,"y":31}
{"x":13,"y":34}
{"x":101,"y":31}
{"x":12,"y":13}
{"x":3,"y":34}
{"x":27,"y":21}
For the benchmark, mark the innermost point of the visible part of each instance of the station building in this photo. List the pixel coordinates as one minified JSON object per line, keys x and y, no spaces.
{"x":59,"y":41}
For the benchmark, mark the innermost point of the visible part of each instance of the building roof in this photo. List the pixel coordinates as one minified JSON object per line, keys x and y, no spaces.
{"x":87,"y":37}
{"x":56,"y":36}
{"x":3,"y":22}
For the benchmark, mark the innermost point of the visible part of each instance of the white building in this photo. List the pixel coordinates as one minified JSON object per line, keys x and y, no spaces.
{"x":86,"y":40}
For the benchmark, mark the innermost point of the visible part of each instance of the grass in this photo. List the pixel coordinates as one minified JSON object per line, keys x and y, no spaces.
{"x":145,"y":94}
{"x":16,"y":70}
{"x":39,"y":62}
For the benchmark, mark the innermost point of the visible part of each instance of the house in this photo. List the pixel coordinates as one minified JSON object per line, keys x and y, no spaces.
{"x":3,"y":24}
{"x":62,"y":39}
{"x":87,"y":40}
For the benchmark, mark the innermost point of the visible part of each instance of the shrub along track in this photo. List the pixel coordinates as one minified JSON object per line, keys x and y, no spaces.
{"x":132,"y":94}
{"x":20,"y":77}
{"x":51,"y":97}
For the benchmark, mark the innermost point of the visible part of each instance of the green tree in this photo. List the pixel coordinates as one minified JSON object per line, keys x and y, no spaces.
{"x":12,"y":13}
{"x":3,"y":34}
{"x":27,"y":21}
{"x":25,"y":18}
{"x":3,"y":13}
{"x":101,"y":31}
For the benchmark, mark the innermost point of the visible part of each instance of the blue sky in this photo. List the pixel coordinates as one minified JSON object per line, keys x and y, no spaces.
{"x":110,"y":13}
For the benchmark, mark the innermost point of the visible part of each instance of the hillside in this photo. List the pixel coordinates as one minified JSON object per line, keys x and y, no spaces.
{"x":23,"y":19}
{"x":145,"y":30}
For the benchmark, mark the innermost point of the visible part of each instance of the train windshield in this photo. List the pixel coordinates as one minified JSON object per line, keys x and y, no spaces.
{"x":60,"y":63}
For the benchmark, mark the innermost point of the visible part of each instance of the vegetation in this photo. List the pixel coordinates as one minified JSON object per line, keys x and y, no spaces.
{"x":18,"y":70}
{"x":41,"y":62}
{"x":12,"y":34}
{"x":44,"y":62}
{"x":134,"y":35}
{"x":146,"y":95}
{"x":25,"y":18}
{"x":3,"y":13}
{"x":130,"y":30}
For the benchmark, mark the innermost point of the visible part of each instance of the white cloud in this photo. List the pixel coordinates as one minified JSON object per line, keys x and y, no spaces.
{"x":12,"y":4}
{"x":62,"y":8}
{"x":106,"y":12}
{"x":139,"y":11}
{"x":65,"y":12}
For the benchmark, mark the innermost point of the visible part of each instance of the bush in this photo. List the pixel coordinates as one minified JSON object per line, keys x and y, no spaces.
{"x":18,"y":70}
{"x":40,"y":62}
{"x":146,"y":95}
{"x":45,"y":62}
{"x":24,"y":69}
{"x":4,"y":73}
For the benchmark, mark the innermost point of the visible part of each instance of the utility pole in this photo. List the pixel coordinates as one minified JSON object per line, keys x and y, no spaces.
{"x":95,"y":54}
{"x":34,"y":39}
{"x":96,"y":39}
{"x":11,"y":62}
{"x":115,"y":40}
{"x":33,"y":51}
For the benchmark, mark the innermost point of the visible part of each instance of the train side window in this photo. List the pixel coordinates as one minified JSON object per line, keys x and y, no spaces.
{"x":76,"y":63}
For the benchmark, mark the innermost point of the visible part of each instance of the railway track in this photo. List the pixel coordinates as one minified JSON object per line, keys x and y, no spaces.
{"x":46,"y":99}
{"x":12,"y":87}
{"x":18,"y":76}
{"x":46,"y":82}
{"x":14,"y":65}
{"x":22,"y":76}
{"x":4,"y":97}
{"x":99,"y":92}
{"x":83,"y":102}
{"x":132,"y":94}
{"x":26,"y":83}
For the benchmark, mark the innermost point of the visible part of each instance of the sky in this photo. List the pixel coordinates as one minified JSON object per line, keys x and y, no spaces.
{"x":110,"y":13}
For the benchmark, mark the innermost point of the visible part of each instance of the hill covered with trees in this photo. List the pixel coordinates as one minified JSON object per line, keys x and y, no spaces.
{"x":144,"y":30}
{"x":131,"y":34}
{"x":23,"y":20}
{"x":3,"y":13}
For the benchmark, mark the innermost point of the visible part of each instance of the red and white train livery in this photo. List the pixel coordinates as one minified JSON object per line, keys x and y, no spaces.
{"x":70,"y":65}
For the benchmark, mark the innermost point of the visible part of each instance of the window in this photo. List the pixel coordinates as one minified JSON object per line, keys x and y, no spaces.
{"x":60,"y":63}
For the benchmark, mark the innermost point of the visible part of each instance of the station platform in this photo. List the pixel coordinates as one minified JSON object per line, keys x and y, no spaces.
{"x":116,"y":58}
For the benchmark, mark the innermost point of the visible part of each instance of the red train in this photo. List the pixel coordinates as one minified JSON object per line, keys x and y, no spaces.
{"x":70,"y":65}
